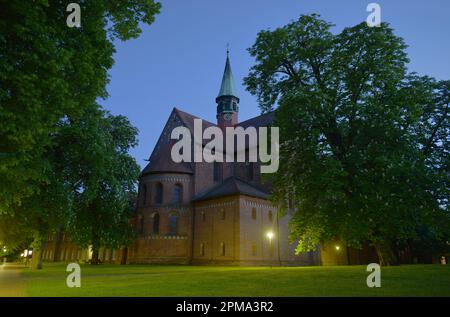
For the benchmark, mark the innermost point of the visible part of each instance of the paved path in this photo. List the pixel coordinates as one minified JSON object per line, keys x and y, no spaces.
{"x":11,"y":281}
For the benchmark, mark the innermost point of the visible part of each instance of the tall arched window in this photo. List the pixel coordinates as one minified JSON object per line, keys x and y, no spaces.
{"x":144,"y":194}
{"x":217,"y":173}
{"x":177,"y":196}
{"x":159,"y":193}
{"x":155,"y":223}
{"x":254,"y":249}
{"x":222,"y":248}
{"x":253,"y":213}
{"x":222,"y":214}
{"x":202,"y":249}
{"x":173,"y":224}
{"x":270,"y":216}
{"x":203,"y":216}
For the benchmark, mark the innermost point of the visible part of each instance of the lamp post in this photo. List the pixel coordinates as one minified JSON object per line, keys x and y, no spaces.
{"x":270,"y":237}
{"x":4,"y":255}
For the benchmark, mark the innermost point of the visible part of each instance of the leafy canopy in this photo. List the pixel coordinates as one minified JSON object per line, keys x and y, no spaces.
{"x":48,"y":72}
{"x":56,"y":144}
{"x":364,"y":143}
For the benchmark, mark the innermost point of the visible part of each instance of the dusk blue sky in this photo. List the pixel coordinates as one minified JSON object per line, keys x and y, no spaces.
{"x":178,"y":61}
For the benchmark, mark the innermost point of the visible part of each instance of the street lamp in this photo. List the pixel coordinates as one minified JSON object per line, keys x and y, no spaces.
{"x":4,"y":255}
{"x":270,"y":235}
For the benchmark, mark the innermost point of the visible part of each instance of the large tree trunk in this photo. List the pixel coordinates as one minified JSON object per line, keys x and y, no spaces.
{"x":38,"y":247}
{"x":386,"y":254}
{"x":123,"y":260}
{"x":95,"y":251}
{"x":40,"y":256}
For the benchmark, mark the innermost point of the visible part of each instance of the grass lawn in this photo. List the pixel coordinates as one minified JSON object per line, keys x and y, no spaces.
{"x":151,"y":280}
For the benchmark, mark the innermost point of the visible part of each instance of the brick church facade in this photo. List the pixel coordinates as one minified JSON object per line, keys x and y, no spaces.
{"x":208,"y":213}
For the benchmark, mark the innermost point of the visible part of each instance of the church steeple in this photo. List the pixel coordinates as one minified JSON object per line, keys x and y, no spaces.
{"x":227,"y":87}
{"x":227,"y":101}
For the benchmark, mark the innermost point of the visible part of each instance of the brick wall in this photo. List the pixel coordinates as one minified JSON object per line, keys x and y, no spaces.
{"x":217,"y":234}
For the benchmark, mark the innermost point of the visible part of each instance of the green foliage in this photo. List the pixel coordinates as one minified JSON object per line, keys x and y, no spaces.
{"x":364,"y":144}
{"x":92,"y":158}
{"x":50,"y":78}
{"x":49,"y":71}
{"x":13,"y":234}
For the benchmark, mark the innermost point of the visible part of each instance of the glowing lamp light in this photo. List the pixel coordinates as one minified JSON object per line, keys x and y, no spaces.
{"x":30,"y":252}
{"x":337,"y":248}
{"x":269,"y":235}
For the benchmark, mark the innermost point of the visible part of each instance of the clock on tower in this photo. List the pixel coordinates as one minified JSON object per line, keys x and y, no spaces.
{"x":227,"y":116}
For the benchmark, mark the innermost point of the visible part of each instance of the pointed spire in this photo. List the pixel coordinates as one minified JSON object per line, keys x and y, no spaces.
{"x":227,"y":87}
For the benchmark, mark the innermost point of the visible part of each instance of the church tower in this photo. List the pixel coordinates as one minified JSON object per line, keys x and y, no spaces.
{"x":227,"y":101}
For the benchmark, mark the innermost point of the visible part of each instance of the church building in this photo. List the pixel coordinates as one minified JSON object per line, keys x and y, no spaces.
{"x":208,"y":213}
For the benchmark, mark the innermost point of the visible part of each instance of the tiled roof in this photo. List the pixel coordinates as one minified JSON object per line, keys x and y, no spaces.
{"x":188,"y":120}
{"x":232,"y":186}
{"x":259,"y":121}
{"x":161,"y":162}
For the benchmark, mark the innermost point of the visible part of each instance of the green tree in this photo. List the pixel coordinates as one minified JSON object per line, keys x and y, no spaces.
{"x":50,"y":73}
{"x":364,"y":144}
{"x":93,"y":158}
{"x":13,"y":234}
